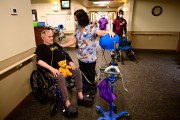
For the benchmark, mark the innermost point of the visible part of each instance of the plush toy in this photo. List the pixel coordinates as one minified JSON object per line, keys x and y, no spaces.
{"x":64,"y":68}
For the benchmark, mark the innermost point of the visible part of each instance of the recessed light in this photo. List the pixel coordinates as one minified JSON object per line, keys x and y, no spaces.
{"x":102,"y":2}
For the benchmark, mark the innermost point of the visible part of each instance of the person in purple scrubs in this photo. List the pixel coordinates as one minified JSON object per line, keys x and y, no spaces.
{"x":102,"y":22}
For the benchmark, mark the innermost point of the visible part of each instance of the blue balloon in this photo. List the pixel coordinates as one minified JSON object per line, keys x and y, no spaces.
{"x":109,"y":43}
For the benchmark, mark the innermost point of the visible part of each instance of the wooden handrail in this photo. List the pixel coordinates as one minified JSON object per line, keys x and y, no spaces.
{"x":169,"y":34}
{"x":18,"y":64}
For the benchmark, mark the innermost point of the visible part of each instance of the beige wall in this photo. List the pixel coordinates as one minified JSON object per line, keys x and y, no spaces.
{"x":16,"y":29}
{"x":143,"y":20}
{"x":155,"y":40}
{"x":17,"y":43}
{"x":15,"y":87}
{"x":148,"y":32}
{"x":139,"y":18}
{"x":44,"y":7}
{"x":155,"y":32}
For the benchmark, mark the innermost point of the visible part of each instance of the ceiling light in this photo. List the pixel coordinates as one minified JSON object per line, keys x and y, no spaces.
{"x":101,"y":5}
{"x":102,"y":2}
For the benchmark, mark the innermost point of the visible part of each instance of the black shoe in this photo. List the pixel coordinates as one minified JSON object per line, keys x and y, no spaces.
{"x":92,"y":93}
{"x":71,"y":111}
{"x":85,"y":101}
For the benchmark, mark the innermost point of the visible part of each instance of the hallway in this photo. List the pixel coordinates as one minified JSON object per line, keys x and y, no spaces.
{"x":153,"y":91}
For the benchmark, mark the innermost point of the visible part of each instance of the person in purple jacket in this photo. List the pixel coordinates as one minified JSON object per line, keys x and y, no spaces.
{"x":102,"y":22}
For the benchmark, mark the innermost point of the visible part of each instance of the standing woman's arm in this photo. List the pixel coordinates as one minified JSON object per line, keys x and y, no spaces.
{"x":71,"y":42}
{"x":103,"y":32}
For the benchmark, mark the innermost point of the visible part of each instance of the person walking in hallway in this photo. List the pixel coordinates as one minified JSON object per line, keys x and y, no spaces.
{"x":103,"y":22}
{"x":120,"y":25}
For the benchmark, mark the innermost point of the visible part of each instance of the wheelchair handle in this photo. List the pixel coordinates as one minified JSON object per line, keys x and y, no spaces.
{"x":117,"y":71}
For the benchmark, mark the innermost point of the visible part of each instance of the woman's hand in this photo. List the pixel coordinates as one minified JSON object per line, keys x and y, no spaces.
{"x":111,"y":34}
{"x":103,"y":32}
{"x":71,"y":42}
{"x":73,"y":66}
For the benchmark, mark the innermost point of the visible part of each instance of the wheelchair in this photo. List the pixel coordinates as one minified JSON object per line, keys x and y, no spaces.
{"x":44,"y":86}
{"x":125,"y":46}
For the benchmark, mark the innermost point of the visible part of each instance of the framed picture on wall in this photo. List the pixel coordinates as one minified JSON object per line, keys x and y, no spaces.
{"x":65,"y":4}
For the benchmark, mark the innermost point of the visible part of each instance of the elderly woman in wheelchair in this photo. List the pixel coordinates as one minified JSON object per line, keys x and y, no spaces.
{"x":48,"y":56}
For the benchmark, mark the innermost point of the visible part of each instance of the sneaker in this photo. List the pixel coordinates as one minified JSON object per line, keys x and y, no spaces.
{"x":85,"y":101}
{"x":71,"y":111}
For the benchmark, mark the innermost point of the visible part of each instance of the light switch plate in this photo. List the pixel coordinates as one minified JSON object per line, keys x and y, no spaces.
{"x":13,"y":11}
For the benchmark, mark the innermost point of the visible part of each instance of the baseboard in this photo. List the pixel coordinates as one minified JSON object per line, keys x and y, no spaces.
{"x":155,"y":50}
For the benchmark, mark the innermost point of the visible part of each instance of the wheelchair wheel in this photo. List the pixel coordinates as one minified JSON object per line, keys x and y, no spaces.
{"x":55,"y":106}
{"x":39,"y":86}
{"x":130,"y":54}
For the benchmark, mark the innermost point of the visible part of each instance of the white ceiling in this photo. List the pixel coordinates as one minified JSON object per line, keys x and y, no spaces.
{"x":113,"y":3}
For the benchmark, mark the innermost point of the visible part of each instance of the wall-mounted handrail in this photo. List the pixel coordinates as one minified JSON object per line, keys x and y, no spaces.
{"x":169,"y":34}
{"x":18,"y":64}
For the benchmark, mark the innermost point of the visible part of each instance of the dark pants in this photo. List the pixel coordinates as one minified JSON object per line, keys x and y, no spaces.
{"x":88,"y":69}
{"x":61,"y":82}
{"x":120,"y":36}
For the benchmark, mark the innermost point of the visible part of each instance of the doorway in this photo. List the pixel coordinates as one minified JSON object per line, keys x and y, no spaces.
{"x":110,"y":16}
